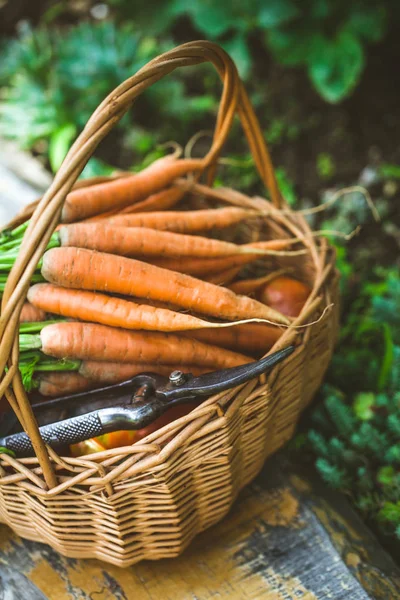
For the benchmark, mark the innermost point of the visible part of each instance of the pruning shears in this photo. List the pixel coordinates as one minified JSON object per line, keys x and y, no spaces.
{"x":130,"y":405}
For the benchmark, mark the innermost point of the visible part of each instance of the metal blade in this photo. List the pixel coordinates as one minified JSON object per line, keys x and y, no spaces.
{"x":218,"y":381}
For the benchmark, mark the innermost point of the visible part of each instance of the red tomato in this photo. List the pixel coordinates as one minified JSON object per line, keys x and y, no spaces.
{"x":284,"y":294}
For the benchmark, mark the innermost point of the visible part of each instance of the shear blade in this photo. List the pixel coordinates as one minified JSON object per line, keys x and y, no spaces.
{"x":219,"y":381}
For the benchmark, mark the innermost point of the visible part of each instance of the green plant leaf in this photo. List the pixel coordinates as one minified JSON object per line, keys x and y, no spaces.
{"x":95,"y":168}
{"x":27,"y":369}
{"x":333,"y":475}
{"x":213,"y":18}
{"x":362,"y":406}
{"x":385,"y":475}
{"x":53,"y":12}
{"x":7,"y":451}
{"x":387,"y":360}
{"x":60,"y":142}
{"x":337,"y":66}
{"x":393,"y":454}
{"x":278,"y":12}
{"x":291,"y":47}
{"x":286,"y":186}
{"x":28,"y":112}
{"x":202,"y":104}
{"x":275,"y":131}
{"x":389,"y":171}
{"x":321,"y":9}
{"x":325,"y":165}
{"x":390,"y":512}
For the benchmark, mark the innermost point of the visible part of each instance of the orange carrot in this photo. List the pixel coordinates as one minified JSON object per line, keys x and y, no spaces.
{"x":154,"y":303}
{"x":112,"y":372}
{"x":203,"y":267}
{"x":185,"y":221}
{"x":60,"y":383}
{"x":86,"y":202}
{"x":253,"y":339}
{"x":156,"y":202}
{"x":98,"y":342}
{"x":89,"y":270}
{"x":30,"y":313}
{"x":142,"y":241}
{"x":159,"y":201}
{"x":222,"y":277}
{"x":206,"y":266}
{"x":108,"y":310}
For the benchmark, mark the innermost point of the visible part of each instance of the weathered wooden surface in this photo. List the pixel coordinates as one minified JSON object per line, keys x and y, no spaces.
{"x":281,"y":541}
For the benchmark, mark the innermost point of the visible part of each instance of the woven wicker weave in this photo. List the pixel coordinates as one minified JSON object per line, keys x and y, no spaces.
{"x":149,"y":500}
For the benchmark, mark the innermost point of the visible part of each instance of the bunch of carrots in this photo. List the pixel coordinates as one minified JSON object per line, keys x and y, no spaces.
{"x":132,"y":282}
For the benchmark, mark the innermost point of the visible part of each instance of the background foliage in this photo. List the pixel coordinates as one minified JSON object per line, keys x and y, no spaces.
{"x":322,"y":76}
{"x":55,"y":74}
{"x":355,"y":429}
{"x":328,"y":38}
{"x":51,"y":90}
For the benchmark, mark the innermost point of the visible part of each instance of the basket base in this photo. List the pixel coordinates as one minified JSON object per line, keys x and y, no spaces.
{"x":264,"y":548}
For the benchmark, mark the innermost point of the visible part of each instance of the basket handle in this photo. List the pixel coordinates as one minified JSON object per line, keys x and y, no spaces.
{"x":249,"y":121}
{"x":46,"y":216}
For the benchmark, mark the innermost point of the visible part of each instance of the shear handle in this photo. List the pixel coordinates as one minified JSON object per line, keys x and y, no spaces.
{"x":76,"y":429}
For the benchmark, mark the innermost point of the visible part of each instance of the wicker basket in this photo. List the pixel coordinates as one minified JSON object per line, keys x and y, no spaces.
{"x":149,"y":500}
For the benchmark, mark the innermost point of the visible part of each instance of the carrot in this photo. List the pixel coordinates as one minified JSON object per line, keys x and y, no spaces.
{"x":86,"y":341}
{"x":86,"y":202}
{"x":31,"y":313}
{"x":108,"y":310}
{"x":142,"y":241}
{"x":185,"y":221}
{"x":56,"y":383}
{"x":249,"y":286}
{"x":159,"y":201}
{"x":204,"y":266}
{"x":113,"y":372}
{"x":88,"y":270}
{"x":253,"y":339}
{"x":222,"y":277}
{"x":286,"y":294}
{"x":154,"y":303}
